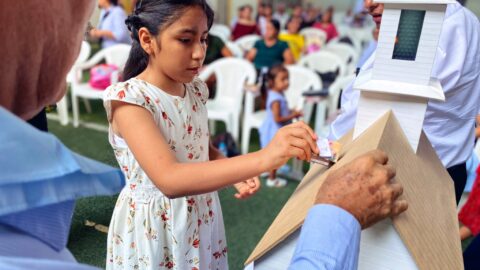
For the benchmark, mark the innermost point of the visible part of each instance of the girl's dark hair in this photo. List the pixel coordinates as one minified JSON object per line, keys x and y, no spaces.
{"x":113,"y":2}
{"x":269,"y":77}
{"x":276,"y":25}
{"x":273,"y":73}
{"x":155,"y":16}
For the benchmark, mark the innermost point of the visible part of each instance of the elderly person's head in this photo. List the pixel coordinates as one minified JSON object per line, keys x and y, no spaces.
{"x":42,"y":42}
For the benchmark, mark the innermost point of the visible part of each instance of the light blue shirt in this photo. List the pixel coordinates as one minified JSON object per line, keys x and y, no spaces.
{"x":39,"y":181}
{"x":330,"y":239}
{"x":113,"y":20}
{"x":12,"y":263}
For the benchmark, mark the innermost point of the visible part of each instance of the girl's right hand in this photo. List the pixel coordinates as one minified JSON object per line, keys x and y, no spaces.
{"x":296,"y":140}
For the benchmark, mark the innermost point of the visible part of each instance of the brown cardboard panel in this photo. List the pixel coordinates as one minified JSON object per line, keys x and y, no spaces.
{"x":429,"y":228}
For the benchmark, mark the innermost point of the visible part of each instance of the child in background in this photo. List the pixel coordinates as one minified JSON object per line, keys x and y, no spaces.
{"x":169,"y":216}
{"x":278,"y":114}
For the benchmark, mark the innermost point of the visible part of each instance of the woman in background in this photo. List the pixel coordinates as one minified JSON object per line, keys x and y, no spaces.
{"x":245,"y":24}
{"x":111,"y":29}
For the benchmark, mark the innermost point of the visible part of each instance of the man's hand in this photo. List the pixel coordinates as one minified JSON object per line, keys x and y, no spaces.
{"x":365,"y":188}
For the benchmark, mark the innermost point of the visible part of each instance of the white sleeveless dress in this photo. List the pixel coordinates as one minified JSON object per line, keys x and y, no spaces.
{"x":149,"y":230}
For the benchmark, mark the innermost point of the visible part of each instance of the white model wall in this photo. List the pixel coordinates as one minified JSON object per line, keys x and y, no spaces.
{"x":418,"y":71}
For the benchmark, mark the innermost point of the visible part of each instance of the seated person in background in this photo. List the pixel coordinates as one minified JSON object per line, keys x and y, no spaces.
{"x":295,"y":41}
{"x":326,"y":24}
{"x":245,"y":25}
{"x":297,"y":13}
{"x":349,"y":17}
{"x":269,"y":50}
{"x":216,"y":49}
{"x":281,"y":14}
{"x":266,"y":16}
{"x":311,"y":16}
{"x":470,"y":213}
{"x":111,"y":29}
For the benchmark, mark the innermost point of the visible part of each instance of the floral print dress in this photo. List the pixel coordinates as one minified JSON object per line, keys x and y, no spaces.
{"x":148,"y":230}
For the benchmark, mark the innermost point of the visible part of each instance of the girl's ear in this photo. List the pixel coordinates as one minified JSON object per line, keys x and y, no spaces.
{"x":146,"y":40}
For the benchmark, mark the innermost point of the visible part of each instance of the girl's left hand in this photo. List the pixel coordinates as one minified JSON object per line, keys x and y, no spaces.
{"x":247,"y":188}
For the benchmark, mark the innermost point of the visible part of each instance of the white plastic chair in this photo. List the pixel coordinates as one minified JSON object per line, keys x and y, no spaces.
{"x":301,"y":80}
{"x":312,"y":33}
{"x":235,"y":49}
{"x":62,"y":105}
{"x":323,"y":62}
{"x":348,"y":54}
{"x":356,"y":43}
{"x":247,"y":42}
{"x":221,"y":31}
{"x":116,"y":55}
{"x":362,"y":35}
{"x":334,"y":92}
{"x":232,"y":74}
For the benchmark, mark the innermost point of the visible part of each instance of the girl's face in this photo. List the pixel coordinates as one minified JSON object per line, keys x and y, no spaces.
{"x":180,"y":48}
{"x":281,"y":81}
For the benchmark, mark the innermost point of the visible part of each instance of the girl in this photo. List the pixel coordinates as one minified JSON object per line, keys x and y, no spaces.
{"x":168,"y":216}
{"x":278,"y":114}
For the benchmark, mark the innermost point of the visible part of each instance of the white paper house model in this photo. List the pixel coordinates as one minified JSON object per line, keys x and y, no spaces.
{"x":393,"y":101}
{"x":400,"y":78}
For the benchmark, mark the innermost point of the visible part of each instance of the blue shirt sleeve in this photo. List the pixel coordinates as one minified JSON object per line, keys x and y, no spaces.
{"x":22,"y":263}
{"x":330,"y":239}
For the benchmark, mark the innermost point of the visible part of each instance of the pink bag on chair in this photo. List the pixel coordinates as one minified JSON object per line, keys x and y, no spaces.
{"x":101,"y":76}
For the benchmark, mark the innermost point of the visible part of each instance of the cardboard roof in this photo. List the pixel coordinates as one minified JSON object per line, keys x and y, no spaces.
{"x":429,"y":228}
